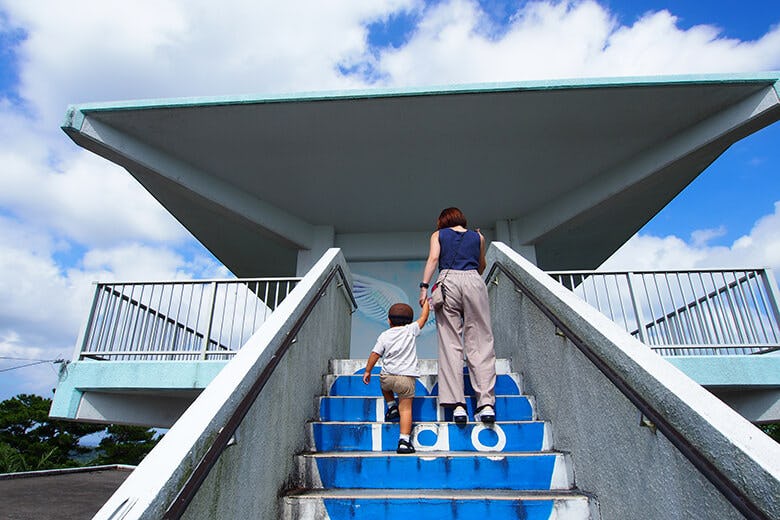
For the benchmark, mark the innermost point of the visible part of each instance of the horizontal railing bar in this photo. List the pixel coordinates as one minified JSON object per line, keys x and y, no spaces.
{"x":681,"y":346}
{"x":202,"y":280}
{"x":676,"y":271}
{"x":157,"y":352}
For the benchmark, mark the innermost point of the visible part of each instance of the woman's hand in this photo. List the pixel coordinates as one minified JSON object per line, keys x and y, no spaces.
{"x":430,"y":265}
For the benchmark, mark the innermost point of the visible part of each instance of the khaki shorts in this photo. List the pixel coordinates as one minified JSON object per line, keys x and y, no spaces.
{"x":403,"y":386}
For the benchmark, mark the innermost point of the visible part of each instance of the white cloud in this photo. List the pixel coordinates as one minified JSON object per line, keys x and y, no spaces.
{"x":82,"y":198}
{"x":701,"y":237}
{"x":136,"y":262}
{"x":455,"y":43}
{"x":760,"y":248}
{"x":43,"y":304}
{"x":97,"y":50}
{"x":56,"y":199}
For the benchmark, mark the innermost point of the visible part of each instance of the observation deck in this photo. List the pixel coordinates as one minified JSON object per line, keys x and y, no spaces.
{"x":149,"y":348}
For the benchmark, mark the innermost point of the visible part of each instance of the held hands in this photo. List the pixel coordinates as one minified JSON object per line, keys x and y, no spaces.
{"x":423,"y":296}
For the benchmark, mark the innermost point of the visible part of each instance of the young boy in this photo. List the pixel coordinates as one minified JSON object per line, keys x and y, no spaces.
{"x":398,"y":346}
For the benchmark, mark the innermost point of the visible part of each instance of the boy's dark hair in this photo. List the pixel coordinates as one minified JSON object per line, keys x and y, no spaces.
{"x":400,"y":314}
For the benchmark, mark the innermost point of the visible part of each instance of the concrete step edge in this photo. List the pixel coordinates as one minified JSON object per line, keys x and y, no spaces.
{"x":426,"y":366}
{"x":435,"y":423}
{"x":433,"y":454}
{"x":456,"y":494}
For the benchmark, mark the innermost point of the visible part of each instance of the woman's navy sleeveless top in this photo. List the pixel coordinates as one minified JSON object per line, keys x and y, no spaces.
{"x":463,"y":257}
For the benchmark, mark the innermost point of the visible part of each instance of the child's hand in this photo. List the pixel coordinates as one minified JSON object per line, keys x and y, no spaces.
{"x":366,"y":377}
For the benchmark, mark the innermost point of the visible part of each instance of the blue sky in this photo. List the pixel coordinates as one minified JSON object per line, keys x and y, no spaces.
{"x":68,"y":218}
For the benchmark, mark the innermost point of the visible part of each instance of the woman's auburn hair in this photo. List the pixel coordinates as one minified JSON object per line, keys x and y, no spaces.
{"x":451,"y":217}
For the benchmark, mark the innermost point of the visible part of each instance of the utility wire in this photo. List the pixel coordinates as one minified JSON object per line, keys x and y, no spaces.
{"x":35,"y":362}
{"x":25,"y":359}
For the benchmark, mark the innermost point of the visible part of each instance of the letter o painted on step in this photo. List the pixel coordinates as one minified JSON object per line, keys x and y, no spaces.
{"x":500,"y":443}
{"x":440,"y":431}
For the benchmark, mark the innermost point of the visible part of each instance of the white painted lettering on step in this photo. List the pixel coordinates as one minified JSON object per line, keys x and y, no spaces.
{"x":500,"y":442}
{"x":376,"y":437}
{"x":442,"y":437}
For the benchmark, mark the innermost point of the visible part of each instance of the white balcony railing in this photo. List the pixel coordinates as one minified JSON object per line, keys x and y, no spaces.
{"x":178,"y":320}
{"x":705,"y":312}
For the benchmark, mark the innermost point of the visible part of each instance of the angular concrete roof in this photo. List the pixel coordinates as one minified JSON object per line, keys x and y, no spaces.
{"x":572,"y":168}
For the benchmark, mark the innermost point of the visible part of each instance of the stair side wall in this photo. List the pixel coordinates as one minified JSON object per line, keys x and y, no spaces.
{"x":250,"y":475}
{"x":633,"y":471}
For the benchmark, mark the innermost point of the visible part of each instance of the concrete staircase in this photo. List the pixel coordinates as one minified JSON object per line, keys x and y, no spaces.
{"x":351,"y":470}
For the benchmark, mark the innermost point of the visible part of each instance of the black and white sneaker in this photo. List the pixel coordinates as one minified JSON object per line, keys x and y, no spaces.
{"x":486,"y":414}
{"x":459,"y":415}
{"x":404,"y":447}
{"x":392,"y":413}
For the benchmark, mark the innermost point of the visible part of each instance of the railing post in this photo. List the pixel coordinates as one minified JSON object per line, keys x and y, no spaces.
{"x":773,"y":295}
{"x":640,"y":321}
{"x":207,"y":335}
{"x":81,"y":344}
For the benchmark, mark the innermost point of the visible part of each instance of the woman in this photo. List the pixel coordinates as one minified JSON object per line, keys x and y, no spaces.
{"x":459,"y":254}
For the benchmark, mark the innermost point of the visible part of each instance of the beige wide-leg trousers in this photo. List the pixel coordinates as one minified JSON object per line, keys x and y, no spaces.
{"x":463,"y":324}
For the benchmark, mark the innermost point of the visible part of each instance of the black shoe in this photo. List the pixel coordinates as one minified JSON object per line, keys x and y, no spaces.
{"x":392,"y":414}
{"x":486,"y":414}
{"x":459,"y":415}
{"x":404,"y":447}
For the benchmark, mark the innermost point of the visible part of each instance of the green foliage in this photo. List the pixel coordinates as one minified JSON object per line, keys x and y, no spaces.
{"x":30,"y":440}
{"x":126,"y":445}
{"x":772,"y":429}
{"x":11,"y":461}
{"x":34,"y":441}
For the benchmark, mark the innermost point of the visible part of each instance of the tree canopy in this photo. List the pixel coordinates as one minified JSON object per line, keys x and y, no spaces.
{"x":30,"y":440}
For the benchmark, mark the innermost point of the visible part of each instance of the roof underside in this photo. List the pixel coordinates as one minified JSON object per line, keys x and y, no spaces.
{"x":610,"y":156}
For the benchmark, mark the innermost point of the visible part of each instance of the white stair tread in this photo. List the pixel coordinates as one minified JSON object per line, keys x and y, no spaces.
{"x":426,"y":366}
{"x":431,"y":454}
{"x":463,"y":494}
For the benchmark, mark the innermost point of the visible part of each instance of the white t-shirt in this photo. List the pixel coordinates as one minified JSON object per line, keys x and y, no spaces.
{"x":398,"y":348}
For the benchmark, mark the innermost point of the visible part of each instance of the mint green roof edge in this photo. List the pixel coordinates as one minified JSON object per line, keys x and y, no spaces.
{"x":128,"y":376}
{"x":735,"y":371}
{"x":75,"y":113}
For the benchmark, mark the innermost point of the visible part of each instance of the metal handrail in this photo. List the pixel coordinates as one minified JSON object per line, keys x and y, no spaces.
{"x":221,"y":440}
{"x":718,"y":479}
{"x":173,"y":320}
{"x":160,"y":315}
{"x":707,"y":311}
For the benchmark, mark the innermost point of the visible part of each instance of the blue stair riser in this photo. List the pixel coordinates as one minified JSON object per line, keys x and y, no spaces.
{"x":517,"y":472}
{"x":506,"y":384}
{"x":438,"y":508}
{"x":363,"y":409}
{"x":528,"y":436}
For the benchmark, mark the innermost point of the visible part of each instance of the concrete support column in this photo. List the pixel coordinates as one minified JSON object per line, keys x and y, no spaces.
{"x":508,"y":232}
{"x":324,"y":237}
